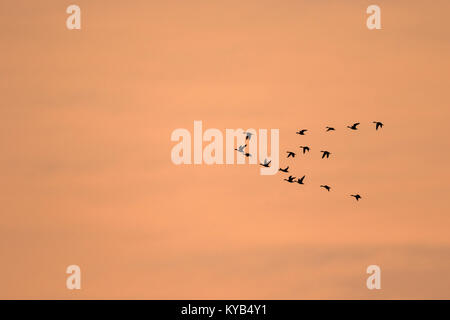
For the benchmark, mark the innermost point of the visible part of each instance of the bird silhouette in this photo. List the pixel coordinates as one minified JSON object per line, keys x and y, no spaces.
{"x":248,"y":135}
{"x":284,"y":170}
{"x":354,"y":126}
{"x":301,"y":132}
{"x":325,"y":154}
{"x":330,"y":129}
{"x":305,"y":148}
{"x":290,"y":154}
{"x":300,"y":180}
{"x":241,"y":148}
{"x":290,"y":179}
{"x":266,"y":163}
{"x":326,"y":187}
{"x":378,"y":124}
{"x":356,"y":196}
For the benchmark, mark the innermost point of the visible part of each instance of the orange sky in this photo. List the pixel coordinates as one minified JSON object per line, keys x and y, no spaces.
{"x":86,"y":118}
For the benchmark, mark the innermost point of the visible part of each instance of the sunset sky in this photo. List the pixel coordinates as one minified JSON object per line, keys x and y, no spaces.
{"x":85,"y":152}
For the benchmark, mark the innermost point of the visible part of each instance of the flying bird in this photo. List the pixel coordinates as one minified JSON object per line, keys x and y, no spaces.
{"x":248,"y":135}
{"x":301,"y":132}
{"x":378,"y":124}
{"x":284,"y":170}
{"x":300,"y":180}
{"x":325,"y":154}
{"x":330,"y":129}
{"x":354,"y":126}
{"x":241,"y":148}
{"x":305,"y":148}
{"x":290,"y":179}
{"x":266,"y":163}
{"x":290,"y":154}
{"x":356,"y":196}
{"x":326,"y":187}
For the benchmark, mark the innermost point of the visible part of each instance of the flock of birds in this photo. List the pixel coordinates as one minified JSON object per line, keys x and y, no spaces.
{"x":325,"y":154}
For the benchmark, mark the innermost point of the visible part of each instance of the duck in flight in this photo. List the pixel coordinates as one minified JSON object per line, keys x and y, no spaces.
{"x":284,"y":170}
{"x":325,"y":154}
{"x":300,"y":180}
{"x":330,"y":129}
{"x":356,"y":196}
{"x":290,"y":154}
{"x":378,"y":124}
{"x":241,"y":148}
{"x":354,"y":126}
{"x":266,"y":163}
{"x":248,"y":135}
{"x":305,"y":148}
{"x":301,"y":132}
{"x":326,"y":187}
{"x":290,"y":179}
